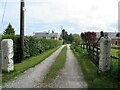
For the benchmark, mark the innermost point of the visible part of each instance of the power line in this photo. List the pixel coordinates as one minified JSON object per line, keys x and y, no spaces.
{"x":3,"y":13}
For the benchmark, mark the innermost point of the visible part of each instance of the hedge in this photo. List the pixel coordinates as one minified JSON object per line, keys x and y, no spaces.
{"x":32,"y":45}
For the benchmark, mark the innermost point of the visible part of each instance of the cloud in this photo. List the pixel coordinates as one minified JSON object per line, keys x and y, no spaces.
{"x":74,"y":15}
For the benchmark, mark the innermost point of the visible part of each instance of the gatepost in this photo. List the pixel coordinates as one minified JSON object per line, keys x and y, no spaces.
{"x":7,"y":55}
{"x":105,"y":49}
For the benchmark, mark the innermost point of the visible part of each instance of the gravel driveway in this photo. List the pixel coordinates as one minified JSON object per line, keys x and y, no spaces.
{"x":33,"y":76}
{"x":71,"y":75}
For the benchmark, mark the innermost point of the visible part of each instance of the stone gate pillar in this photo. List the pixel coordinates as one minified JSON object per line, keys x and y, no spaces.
{"x":7,"y":55}
{"x":105,"y":49}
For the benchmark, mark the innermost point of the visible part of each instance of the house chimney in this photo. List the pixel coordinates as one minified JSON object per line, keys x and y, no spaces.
{"x":48,"y":31}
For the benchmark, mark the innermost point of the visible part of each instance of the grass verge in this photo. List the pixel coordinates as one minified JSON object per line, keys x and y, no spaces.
{"x":21,"y":67}
{"x":56,"y":66}
{"x":0,"y":79}
{"x":114,"y":52}
{"x":90,"y":71}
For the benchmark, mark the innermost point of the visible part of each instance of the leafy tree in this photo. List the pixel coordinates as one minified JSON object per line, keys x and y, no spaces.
{"x":118,"y":35}
{"x":64,"y":35}
{"x":0,"y":36}
{"x":76,"y":38}
{"x":89,"y":37}
{"x":52,"y":31}
{"x":70,"y":38}
{"x":9,"y":30}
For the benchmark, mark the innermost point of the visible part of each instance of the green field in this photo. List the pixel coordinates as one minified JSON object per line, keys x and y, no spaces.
{"x":114,"y":52}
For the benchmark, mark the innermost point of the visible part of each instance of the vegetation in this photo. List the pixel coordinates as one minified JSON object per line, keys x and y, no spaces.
{"x":9,"y":30}
{"x":70,"y":38}
{"x":91,"y":74}
{"x":114,"y":52}
{"x":115,"y":47}
{"x":0,"y":79}
{"x":55,"y":68}
{"x":32,"y":46}
{"x":89,"y":37}
{"x":28,"y":63}
{"x":67,"y":38}
{"x":118,"y":35}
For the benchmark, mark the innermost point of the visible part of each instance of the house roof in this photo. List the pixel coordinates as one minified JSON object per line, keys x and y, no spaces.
{"x":112,"y":35}
{"x":45,"y":34}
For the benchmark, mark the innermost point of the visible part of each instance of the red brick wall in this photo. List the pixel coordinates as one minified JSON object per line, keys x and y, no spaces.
{"x":116,"y":41}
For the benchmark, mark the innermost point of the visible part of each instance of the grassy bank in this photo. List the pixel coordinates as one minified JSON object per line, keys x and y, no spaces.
{"x":21,"y":67}
{"x":90,"y":71}
{"x":0,"y":79}
{"x":56,"y":66}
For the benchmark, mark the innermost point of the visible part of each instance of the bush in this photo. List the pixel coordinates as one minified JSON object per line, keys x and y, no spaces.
{"x":32,"y":45}
{"x":16,"y":46}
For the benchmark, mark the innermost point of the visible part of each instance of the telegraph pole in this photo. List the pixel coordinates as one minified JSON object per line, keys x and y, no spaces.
{"x":21,"y":30}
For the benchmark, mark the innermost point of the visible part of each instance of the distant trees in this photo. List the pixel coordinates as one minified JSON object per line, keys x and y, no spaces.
{"x":64,"y":35}
{"x":70,"y":38}
{"x":67,"y":38}
{"x":9,"y":30}
{"x":76,"y":38}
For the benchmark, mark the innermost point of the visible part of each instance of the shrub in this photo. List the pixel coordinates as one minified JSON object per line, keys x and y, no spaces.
{"x":32,"y":45}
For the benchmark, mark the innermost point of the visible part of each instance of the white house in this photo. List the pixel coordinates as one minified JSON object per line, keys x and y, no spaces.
{"x":47,"y":35}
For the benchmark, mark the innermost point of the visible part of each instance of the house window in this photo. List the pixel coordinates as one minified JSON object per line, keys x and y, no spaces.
{"x":116,"y":43}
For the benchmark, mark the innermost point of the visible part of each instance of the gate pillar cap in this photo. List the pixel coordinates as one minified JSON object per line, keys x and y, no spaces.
{"x":105,"y":34}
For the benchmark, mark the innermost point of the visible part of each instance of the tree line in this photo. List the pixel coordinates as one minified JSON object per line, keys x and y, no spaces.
{"x":70,"y":38}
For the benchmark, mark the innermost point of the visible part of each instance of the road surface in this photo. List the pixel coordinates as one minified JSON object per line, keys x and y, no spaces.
{"x":33,"y":76}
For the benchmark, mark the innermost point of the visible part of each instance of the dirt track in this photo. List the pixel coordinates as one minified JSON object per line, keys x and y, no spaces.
{"x":33,"y":76}
{"x":71,"y":75}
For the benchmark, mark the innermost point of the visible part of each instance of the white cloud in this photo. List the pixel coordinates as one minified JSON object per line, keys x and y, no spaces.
{"x":86,"y":14}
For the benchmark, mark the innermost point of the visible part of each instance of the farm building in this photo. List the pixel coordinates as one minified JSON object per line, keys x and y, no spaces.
{"x":115,"y":36}
{"x":47,"y":35}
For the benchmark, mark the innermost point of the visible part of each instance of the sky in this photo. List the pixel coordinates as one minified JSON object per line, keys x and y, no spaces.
{"x":75,"y":16}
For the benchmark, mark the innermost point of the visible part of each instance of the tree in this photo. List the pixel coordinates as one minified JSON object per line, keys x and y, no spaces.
{"x":9,"y":30}
{"x":89,"y":37}
{"x":76,"y":38}
{"x":70,"y":38}
{"x":52,"y":31}
{"x":64,"y":35}
{"x":118,"y":35}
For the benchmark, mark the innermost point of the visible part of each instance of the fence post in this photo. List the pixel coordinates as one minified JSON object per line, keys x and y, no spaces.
{"x":7,"y":55}
{"x":105,"y":47}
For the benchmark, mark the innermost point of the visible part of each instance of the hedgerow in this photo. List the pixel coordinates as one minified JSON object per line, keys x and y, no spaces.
{"x":32,"y":45}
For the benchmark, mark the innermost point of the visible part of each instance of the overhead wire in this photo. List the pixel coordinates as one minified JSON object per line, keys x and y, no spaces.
{"x":4,"y":9}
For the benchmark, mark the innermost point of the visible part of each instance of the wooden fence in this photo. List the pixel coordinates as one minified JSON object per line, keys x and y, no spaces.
{"x":93,"y":52}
